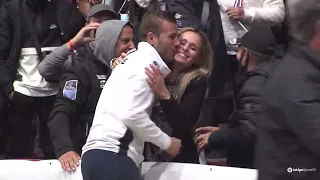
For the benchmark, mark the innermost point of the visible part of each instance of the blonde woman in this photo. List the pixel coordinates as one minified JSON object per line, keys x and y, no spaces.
{"x":181,"y":94}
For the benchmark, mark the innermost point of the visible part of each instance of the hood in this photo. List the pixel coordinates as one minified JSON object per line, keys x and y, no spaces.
{"x":106,"y":39}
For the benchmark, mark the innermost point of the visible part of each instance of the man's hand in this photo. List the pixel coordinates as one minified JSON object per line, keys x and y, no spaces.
{"x":175,"y":147}
{"x":117,"y":61}
{"x":83,"y":36}
{"x":69,"y":161}
{"x":203,"y":130}
{"x":202,"y":135}
{"x":202,"y":140}
{"x":235,"y":13}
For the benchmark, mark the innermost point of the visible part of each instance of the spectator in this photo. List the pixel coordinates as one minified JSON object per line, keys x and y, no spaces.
{"x":62,"y":58}
{"x":85,"y":5}
{"x":121,"y":138}
{"x":237,"y":16}
{"x":250,"y":13}
{"x":257,"y":46}
{"x":289,"y":126}
{"x":180,"y":97}
{"x":20,"y":82}
{"x":80,"y":89}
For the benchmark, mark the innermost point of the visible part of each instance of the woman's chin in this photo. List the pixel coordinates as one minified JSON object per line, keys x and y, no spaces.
{"x":179,"y":59}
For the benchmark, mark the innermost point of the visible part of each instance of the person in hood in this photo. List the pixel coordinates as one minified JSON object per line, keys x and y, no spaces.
{"x":80,"y":89}
{"x":78,"y":49}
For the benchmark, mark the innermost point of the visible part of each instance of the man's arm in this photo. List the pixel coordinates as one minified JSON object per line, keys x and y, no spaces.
{"x":272,"y":12}
{"x":53,"y":65}
{"x":136,"y":117}
{"x":5,"y":46}
{"x":72,"y":94}
{"x":242,"y":130}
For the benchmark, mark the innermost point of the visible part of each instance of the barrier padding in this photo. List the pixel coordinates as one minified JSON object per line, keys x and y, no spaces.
{"x":51,"y":170}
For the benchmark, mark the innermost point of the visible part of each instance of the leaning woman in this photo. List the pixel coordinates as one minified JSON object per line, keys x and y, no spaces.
{"x":181,"y":94}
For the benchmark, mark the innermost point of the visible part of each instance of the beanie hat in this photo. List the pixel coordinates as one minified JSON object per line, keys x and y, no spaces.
{"x":259,"y":39}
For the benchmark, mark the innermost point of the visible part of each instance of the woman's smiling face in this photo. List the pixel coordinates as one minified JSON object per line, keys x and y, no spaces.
{"x":189,"y":49}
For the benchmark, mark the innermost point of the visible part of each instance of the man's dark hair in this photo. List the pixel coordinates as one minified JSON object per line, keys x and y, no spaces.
{"x":152,"y":22}
{"x":303,"y":17}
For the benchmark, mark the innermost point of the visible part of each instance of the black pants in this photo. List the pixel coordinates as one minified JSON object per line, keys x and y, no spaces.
{"x":23,"y":111}
{"x":106,"y":165}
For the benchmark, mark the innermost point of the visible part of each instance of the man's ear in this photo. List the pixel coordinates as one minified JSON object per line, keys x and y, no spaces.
{"x":152,"y":38}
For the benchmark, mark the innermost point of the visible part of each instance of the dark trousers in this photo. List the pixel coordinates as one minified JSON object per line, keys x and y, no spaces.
{"x":106,"y":165}
{"x":24,"y":109}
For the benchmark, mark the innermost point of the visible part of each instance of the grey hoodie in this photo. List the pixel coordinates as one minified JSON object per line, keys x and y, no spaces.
{"x":106,"y":39}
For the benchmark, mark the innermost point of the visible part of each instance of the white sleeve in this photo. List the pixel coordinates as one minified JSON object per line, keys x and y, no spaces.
{"x":272,"y":12}
{"x":137,"y":102}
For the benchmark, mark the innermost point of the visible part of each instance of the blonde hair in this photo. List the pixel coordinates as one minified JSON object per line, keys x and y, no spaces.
{"x":202,"y":68}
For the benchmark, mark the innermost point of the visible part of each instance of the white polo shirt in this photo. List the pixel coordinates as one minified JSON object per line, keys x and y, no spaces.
{"x":122,"y":119}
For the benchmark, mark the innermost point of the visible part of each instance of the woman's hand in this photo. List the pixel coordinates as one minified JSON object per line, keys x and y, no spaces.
{"x":156,"y":82}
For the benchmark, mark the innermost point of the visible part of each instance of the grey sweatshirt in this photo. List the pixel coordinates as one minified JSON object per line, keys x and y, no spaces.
{"x":107,"y":36}
{"x":54,"y":64}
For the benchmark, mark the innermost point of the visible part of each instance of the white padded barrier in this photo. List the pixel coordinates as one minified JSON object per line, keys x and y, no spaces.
{"x":51,"y":170}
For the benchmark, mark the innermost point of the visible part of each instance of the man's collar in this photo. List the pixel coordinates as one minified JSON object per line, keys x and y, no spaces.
{"x":162,"y":66}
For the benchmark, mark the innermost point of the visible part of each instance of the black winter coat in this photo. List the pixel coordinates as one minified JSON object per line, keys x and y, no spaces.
{"x":238,"y":139}
{"x":12,"y":34}
{"x":289,"y":125}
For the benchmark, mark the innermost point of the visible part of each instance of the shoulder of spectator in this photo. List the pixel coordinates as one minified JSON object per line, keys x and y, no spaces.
{"x":199,"y":81}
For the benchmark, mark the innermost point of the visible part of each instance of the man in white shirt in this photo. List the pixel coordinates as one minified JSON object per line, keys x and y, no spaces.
{"x":237,"y":16}
{"x":121,"y":125}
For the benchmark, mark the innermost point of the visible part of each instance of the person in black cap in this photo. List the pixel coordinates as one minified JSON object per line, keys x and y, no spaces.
{"x":78,"y":49}
{"x":256,"y":65}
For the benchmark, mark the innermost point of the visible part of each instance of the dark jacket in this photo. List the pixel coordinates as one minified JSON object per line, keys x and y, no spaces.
{"x":289,"y":126}
{"x":73,"y":111}
{"x":80,"y":89}
{"x":14,"y":36}
{"x":239,"y":138}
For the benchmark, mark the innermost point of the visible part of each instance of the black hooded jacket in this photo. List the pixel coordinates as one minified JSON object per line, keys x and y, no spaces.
{"x":239,"y":138}
{"x":289,"y":126}
{"x":79,"y":91}
{"x":14,"y":33}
